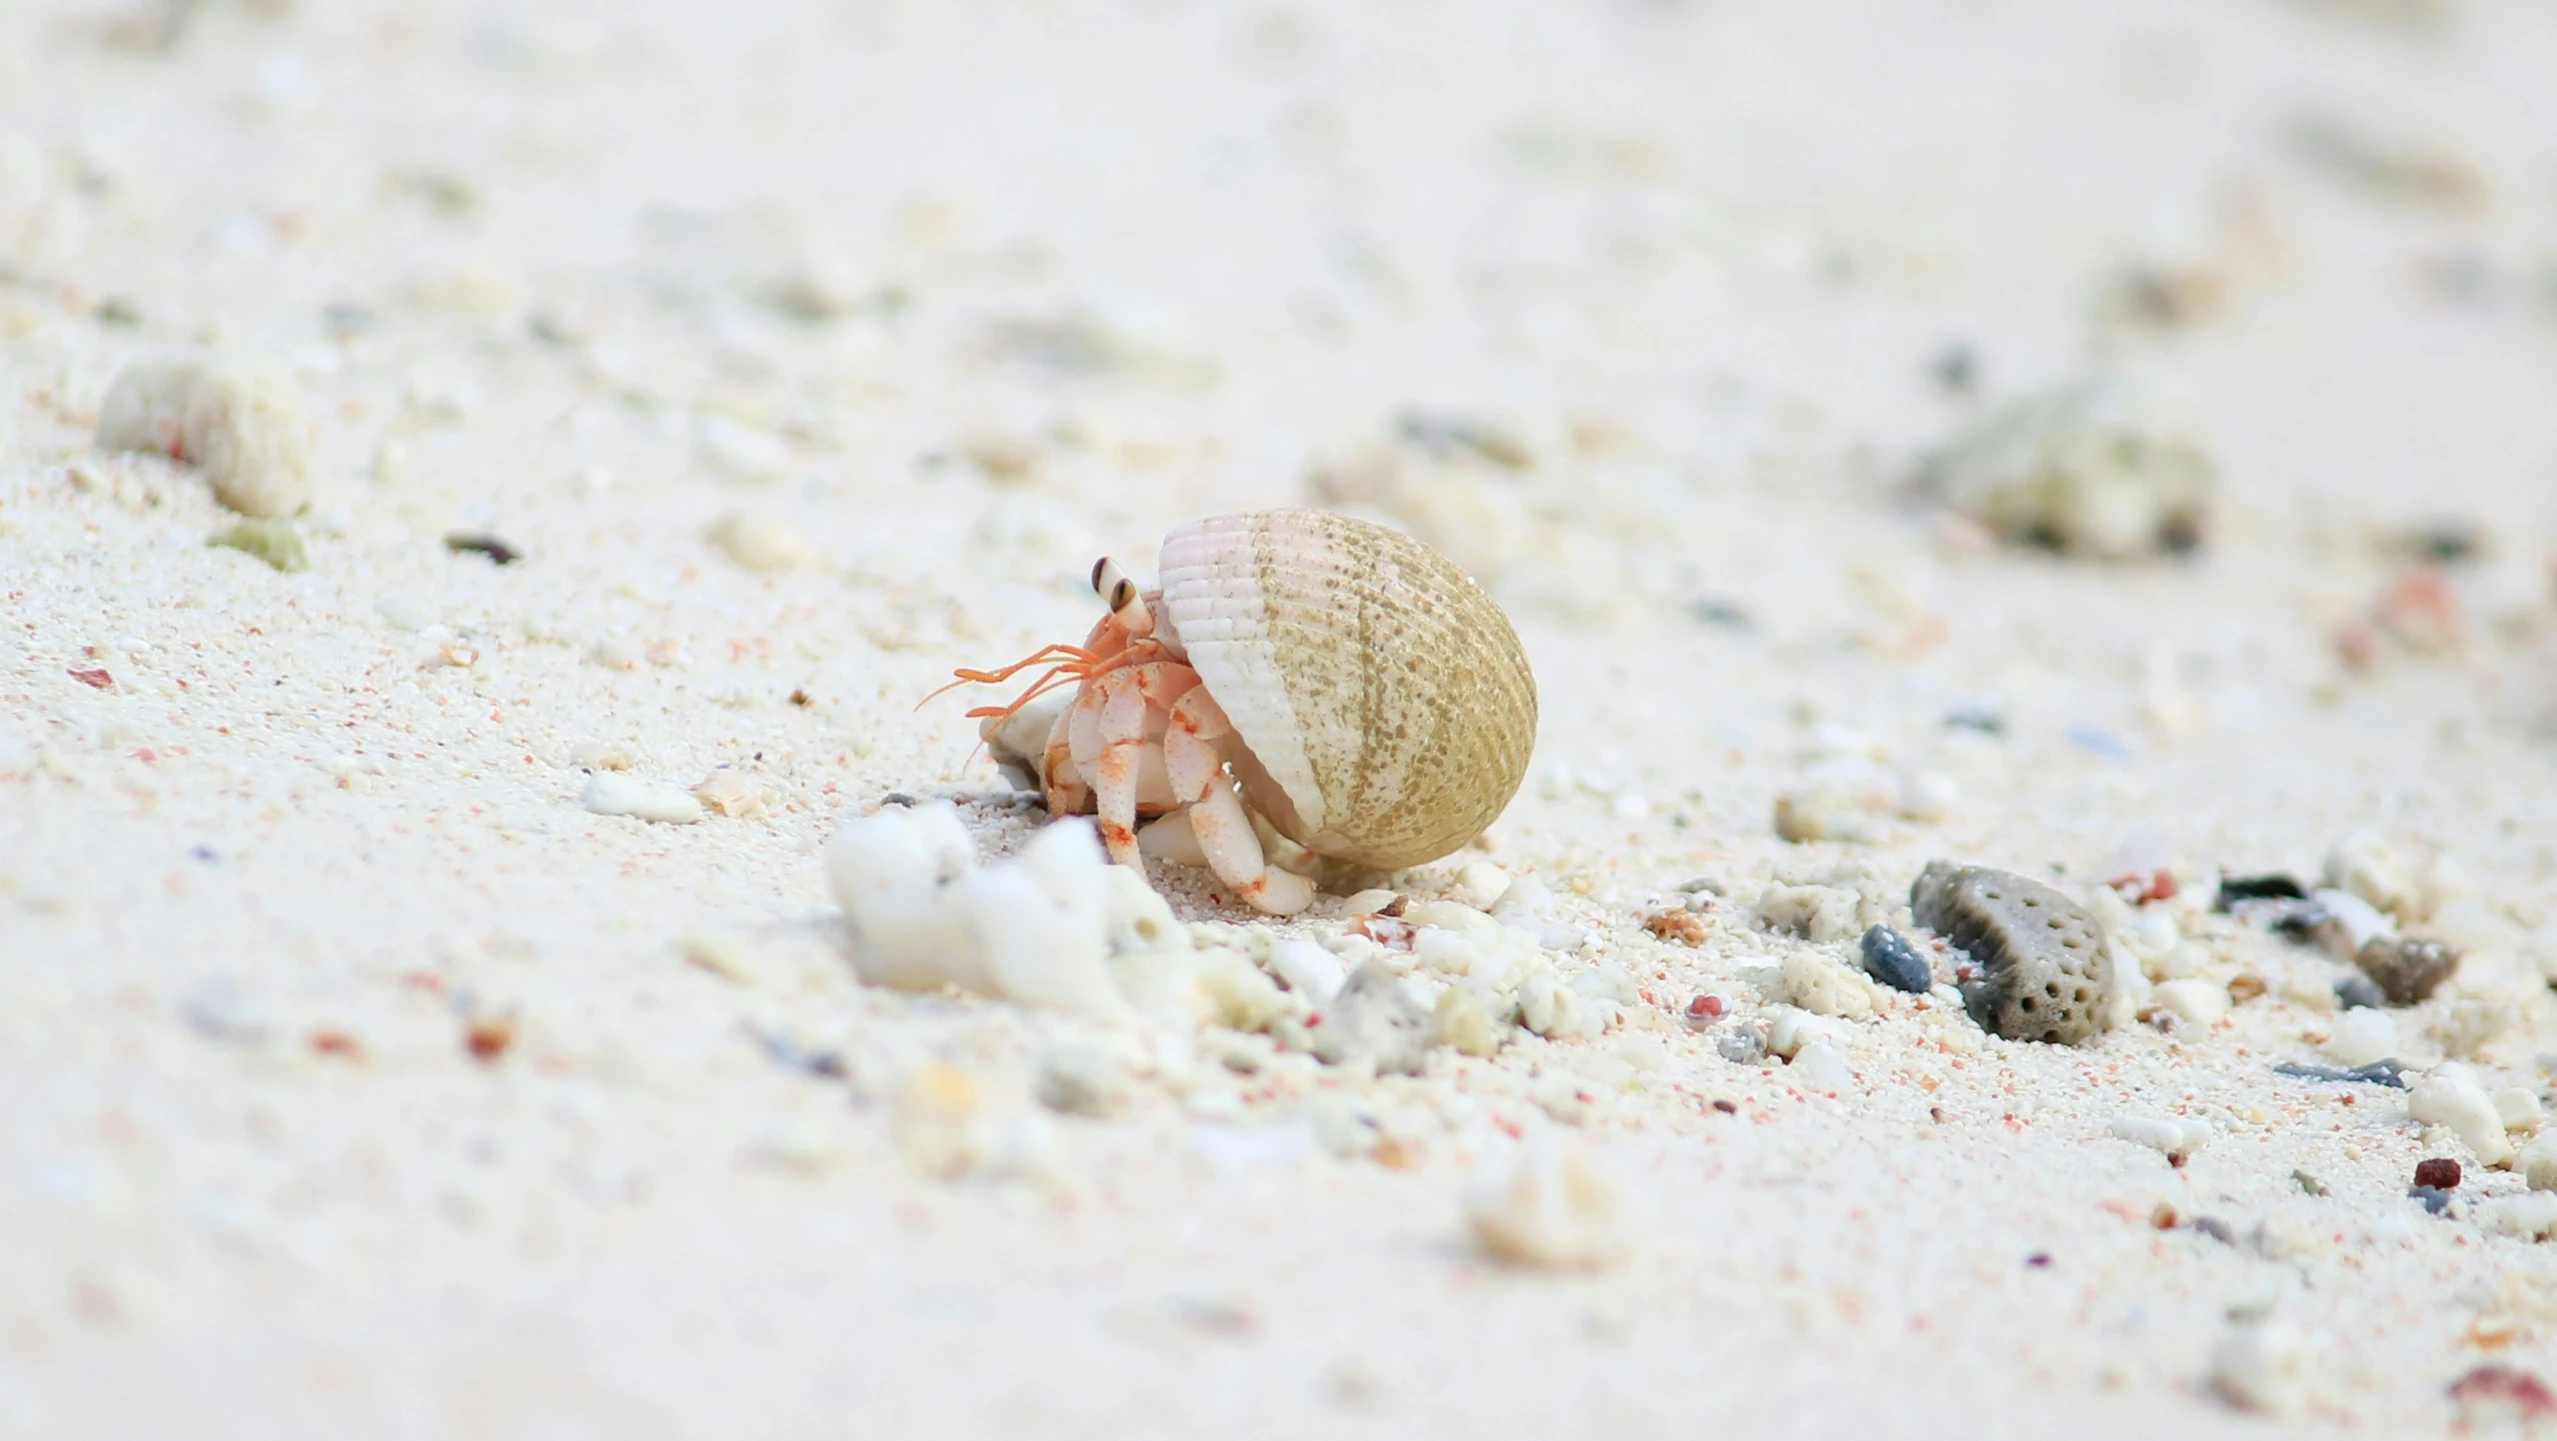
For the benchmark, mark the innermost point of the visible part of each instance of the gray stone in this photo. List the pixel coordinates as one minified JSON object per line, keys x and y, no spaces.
{"x":2045,"y":969}
{"x":1374,"y":1019}
{"x":1889,"y":957}
{"x":2406,"y":970}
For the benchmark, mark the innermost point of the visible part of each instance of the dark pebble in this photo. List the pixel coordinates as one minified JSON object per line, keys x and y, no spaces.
{"x":2217,"y":1229}
{"x":1976,"y":718}
{"x":2434,"y":1201}
{"x":2355,"y":993}
{"x":466,"y":542}
{"x":1956,"y":369}
{"x":1894,"y":960}
{"x":2276,"y":887}
{"x":807,"y":1060}
{"x":1723,"y":613}
{"x":2377,"y":1073}
{"x":2438,"y":1173}
{"x":2295,"y":921}
{"x":2408,"y":970}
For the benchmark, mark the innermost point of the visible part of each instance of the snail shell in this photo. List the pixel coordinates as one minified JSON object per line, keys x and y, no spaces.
{"x":1387,"y":707}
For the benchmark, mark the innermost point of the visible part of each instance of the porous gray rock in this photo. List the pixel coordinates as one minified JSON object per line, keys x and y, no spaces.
{"x":2045,"y":969}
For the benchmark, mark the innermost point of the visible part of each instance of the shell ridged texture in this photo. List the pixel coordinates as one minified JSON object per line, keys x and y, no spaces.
{"x":1385,"y":700}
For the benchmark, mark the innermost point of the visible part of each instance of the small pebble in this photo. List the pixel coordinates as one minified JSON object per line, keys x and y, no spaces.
{"x":2434,"y":1199}
{"x":2263,"y":1367}
{"x":1682,"y":926}
{"x":2449,"y":1096}
{"x":613,"y":795}
{"x":941,"y":1121}
{"x":2359,"y":992}
{"x":1084,"y":1078}
{"x":2539,"y":1167}
{"x":724,"y":957}
{"x":1309,"y":970}
{"x":2519,"y":1106}
{"x":1374,"y":1019}
{"x":1558,"y":1210}
{"x":1481,"y":885}
{"x":2377,"y":1073}
{"x":2174,"y":1136}
{"x":759,"y":543}
{"x":2257,"y":888}
{"x":733,"y":793}
{"x":2363,"y":1037}
{"x":144,"y":409}
{"x":1818,"y":1067}
{"x":1464,"y":1024}
{"x":2406,"y":970}
{"x":277,"y":542}
{"x":1896,"y":961}
{"x":2439,"y":1172}
{"x":246,"y":431}
{"x":464,"y":542}
{"x":2198,"y":1003}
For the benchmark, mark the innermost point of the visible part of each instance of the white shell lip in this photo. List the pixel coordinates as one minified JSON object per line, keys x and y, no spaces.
{"x":1212,"y":598}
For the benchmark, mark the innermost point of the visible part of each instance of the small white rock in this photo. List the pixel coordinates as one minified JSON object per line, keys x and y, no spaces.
{"x":1375,"y":1020}
{"x":2263,"y":1367}
{"x":1823,"y":987}
{"x":2531,"y":1216}
{"x":732,"y":793}
{"x":1792,"y":1030}
{"x":2538,"y":1166}
{"x":1927,"y":795}
{"x":1309,"y":970}
{"x":612,"y":795}
{"x":2519,"y":1108}
{"x":2449,"y":1096}
{"x":1815,"y":913}
{"x":2362,"y":1036}
{"x":144,"y":408}
{"x":1525,"y":897}
{"x":2198,"y":1003}
{"x":2172,"y":1135}
{"x":2372,"y":871}
{"x":1558,"y":1209}
{"x":759,"y":543}
{"x":246,"y":431}
{"x":890,"y":872}
{"x":1041,"y":922}
{"x":1548,"y":1007}
{"x":1084,"y":1077}
{"x":1481,"y":885}
{"x":1367,"y":902}
{"x":1819,"y":1067}
{"x":1448,"y":916}
{"x":242,"y":425}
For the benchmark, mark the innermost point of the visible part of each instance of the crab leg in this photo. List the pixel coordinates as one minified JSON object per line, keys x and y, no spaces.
{"x":1217,"y":817}
{"x":1124,"y":706}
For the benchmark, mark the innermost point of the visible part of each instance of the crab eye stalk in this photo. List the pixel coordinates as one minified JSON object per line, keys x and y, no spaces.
{"x":1116,"y":590}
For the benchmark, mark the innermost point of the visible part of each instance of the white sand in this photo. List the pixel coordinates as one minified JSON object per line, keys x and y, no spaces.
{"x":1158,"y":261}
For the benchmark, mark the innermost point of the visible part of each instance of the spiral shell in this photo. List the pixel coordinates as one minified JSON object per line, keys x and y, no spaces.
{"x":1385,"y":701}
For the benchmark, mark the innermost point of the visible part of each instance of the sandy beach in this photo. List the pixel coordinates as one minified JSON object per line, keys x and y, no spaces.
{"x":689,"y":389}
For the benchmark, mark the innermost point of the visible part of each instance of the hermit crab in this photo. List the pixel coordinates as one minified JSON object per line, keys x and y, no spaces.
{"x":1338,"y":683}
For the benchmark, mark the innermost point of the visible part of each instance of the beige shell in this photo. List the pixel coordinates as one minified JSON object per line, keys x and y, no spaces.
{"x":1385,"y":701}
